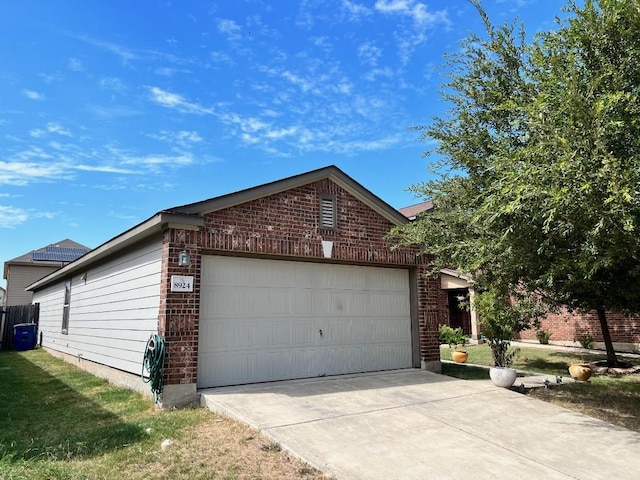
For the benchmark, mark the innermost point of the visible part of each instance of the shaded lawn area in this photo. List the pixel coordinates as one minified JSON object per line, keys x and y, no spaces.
{"x":57,"y":422}
{"x":612,"y":398}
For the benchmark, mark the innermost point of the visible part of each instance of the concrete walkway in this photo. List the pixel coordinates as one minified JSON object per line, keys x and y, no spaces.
{"x":412,"y":424}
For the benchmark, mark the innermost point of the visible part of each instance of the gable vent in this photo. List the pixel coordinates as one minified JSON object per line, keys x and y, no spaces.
{"x":327,"y":212}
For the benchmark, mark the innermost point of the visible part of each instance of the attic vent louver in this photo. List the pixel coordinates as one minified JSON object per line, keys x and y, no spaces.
{"x":327,"y":212}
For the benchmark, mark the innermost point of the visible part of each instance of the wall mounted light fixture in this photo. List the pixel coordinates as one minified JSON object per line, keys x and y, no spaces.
{"x":184,"y":260}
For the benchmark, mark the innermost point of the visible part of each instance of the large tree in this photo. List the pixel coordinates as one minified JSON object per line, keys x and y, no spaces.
{"x":539,"y":162}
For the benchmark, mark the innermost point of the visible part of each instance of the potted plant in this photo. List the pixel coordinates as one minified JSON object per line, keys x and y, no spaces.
{"x":580,"y":371}
{"x":501,"y":317}
{"x":456,"y":339}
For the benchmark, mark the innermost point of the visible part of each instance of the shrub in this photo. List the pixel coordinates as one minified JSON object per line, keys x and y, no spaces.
{"x":543,"y":336}
{"x":452,"y":336}
{"x":585,"y":339}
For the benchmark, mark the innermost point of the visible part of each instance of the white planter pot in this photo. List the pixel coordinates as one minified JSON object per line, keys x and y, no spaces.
{"x":502,"y":377}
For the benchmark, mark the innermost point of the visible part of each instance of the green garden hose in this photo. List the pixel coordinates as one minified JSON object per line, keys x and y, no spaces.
{"x":153,"y":363}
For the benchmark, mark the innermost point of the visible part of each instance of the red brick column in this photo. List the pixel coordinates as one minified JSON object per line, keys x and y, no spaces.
{"x":428,"y":317}
{"x":179,"y":317}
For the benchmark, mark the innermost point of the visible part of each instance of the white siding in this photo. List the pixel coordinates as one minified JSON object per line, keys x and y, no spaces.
{"x":112,"y":312}
{"x":263,"y":320}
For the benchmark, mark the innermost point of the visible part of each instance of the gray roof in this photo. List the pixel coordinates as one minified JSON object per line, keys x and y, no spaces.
{"x":54,"y":254}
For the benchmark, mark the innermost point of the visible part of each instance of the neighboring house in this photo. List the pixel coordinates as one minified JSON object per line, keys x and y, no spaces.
{"x":290,"y":279}
{"x":455,"y":288}
{"x":3,"y":296}
{"x":26,"y":269}
{"x":565,"y":328}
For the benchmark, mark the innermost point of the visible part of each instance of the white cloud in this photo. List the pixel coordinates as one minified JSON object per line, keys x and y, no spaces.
{"x":51,"y":127}
{"x":221,"y":57}
{"x":369,"y":54}
{"x":281,"y":133}
{"x":154,"y":162}
{"x":11,"y":217}
{"x":47,"y":215}
{"x":415,"y":10}
{"x":50,"y":77}
{"x":102,"y":169}
{"x":125,"y":54}
{"x":229,"y":28}
{"x":22,"y":173}
{"x":177,"y":102}
{"x":189,"y":136}
{"x":355,"y":10}
{"x":58,"y":129}
{"x":182,"y":138}
{"x":33,"y":95}
{"x":75,"y":65}
{"x":170,"y":72}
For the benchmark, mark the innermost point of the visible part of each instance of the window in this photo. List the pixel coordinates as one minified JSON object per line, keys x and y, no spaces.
{"x":328,"y":212}
{"x":65,"y":309}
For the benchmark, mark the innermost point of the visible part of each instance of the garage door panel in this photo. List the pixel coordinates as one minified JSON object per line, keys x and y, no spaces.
{"x":265,"y":320}
{"x":310,"y":302}
{"x":241,"y":301}
{"x":258,"y":366}
{"x":305,"y":331}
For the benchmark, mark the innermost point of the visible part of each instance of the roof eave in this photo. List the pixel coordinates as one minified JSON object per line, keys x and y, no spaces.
{"x":149,"y":227}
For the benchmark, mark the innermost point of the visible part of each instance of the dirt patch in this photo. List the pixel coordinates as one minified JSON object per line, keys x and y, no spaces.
{"x":229,"y":449}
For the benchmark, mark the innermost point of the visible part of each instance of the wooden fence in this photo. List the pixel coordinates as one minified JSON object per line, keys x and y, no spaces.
{"x":13,"y":315}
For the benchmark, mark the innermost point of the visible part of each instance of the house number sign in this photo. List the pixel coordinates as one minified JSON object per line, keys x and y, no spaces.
{"x":181,"y":284}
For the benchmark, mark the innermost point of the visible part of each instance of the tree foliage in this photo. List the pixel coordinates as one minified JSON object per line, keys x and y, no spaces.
{"x":539,"y":157}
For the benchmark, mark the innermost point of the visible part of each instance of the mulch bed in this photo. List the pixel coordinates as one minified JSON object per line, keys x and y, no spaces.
{"x":623,"y":368}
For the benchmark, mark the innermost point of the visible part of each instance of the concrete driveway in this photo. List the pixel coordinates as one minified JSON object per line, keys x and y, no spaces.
{"x":413,"y":424}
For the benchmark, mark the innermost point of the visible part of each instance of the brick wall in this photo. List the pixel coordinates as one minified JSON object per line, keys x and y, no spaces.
{"x":565,"y":327}
{"x":284,"y":225}
{"x":179,"y":311}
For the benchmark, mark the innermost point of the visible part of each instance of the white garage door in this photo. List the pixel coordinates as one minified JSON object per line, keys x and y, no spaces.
{"x":263,"y":320}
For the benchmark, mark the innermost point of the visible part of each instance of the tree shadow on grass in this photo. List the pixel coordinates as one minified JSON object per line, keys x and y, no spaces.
{"x":46,"y":417}
{"x":542,"y":365}
{"x":557,"y":362}
{"x":465,"y":372}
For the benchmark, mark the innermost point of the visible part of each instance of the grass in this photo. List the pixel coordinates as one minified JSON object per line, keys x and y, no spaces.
{"x":57,"y":422}
{"x":612,"y":398}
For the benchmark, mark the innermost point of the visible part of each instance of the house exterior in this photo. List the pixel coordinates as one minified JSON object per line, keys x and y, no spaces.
{"x":572,"y":328}
{"x":3,"y":296}
{"x":290,"y":279}
{"x":26,"y":269}
{"x":566,"y":328}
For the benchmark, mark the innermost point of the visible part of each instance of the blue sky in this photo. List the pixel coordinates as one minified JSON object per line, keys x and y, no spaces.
{"x":114,"y":110}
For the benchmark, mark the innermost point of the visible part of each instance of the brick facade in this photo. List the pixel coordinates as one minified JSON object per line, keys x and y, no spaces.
{"x":285,"y":225}
{"x":567,"y":327}
{"x":180,"y":311}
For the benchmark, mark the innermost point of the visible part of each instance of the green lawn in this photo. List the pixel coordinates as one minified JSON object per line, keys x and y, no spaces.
{"x":613,"y":398}
{"x":57,"y":422}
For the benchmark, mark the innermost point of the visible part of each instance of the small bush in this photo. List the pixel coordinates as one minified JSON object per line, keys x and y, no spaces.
{"x":452,"y":336}
{"x":585,"y":340}
{"x":543,"y":336}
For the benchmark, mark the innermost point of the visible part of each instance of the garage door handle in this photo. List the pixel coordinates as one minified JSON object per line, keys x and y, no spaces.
{"x":320,"y":332}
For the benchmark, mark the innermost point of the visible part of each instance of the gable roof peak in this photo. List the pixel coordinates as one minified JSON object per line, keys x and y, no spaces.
{"x":330,"y":172}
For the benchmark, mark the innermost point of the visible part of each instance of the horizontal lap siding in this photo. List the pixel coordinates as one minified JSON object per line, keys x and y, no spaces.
{"x":113,"y":312}
{"x":20,"y":277}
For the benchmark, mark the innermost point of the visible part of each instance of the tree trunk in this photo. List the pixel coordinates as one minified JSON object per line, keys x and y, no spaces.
{"x":612,"y":360}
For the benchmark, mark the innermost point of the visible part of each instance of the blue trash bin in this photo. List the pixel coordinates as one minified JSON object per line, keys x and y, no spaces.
{"x":24,"y":336}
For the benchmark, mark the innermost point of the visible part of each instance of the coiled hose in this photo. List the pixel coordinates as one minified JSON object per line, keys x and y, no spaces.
{"x":153,"y":363}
